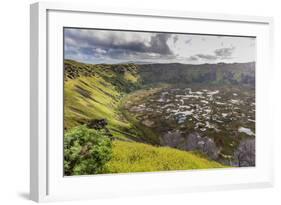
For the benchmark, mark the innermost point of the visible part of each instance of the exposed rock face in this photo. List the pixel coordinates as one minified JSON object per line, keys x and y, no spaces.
{"x":190,"y":142}
{"x":245,"y":155}
{"x":208,"y":147}
{"x":100,"y":124}
{"x":172,"y":139}
{"x":119,"y":68}
{"x":97,"y":124}
{"x":70,"y":71}
{"x":74,"y":70}
{"x":205,"y":145}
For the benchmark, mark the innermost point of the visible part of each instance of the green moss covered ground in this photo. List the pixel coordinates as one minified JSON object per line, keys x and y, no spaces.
{"x":139,"y":157}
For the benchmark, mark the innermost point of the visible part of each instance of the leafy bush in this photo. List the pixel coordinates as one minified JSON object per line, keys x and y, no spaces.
{"x":86,"y":151}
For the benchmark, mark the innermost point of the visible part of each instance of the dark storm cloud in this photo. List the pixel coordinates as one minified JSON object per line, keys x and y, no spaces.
{"x":80,"y":39}
{"x":115,"y":45}
{"x":224,"y":52}
{"x":158,"y":44}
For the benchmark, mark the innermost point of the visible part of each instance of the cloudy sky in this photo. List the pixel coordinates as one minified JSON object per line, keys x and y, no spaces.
{"x":105,"y":46}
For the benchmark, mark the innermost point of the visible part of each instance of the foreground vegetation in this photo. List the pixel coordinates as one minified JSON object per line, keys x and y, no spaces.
{"x":139,"y":157}
{"x":89,"y":151}
{"x":86,"y":151}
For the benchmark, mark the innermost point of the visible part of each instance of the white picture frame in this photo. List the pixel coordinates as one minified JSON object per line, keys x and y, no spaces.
{"x":46,"y":178}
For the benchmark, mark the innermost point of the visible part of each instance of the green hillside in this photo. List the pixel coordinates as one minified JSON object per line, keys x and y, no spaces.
{"x":93,"y":92}
{"x":139,"y":157}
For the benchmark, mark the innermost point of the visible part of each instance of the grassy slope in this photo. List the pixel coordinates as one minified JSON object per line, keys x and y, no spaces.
{"x":139,"y":157}
{"x":97,"y":95}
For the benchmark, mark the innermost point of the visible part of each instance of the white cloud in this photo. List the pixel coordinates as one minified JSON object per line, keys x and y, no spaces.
{"x":108,"y":46}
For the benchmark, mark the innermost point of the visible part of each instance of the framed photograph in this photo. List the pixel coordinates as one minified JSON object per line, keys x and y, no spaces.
{"x":129,"y":102}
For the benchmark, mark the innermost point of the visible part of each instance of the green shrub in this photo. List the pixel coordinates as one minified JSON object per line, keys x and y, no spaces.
{"x":86,"y":151}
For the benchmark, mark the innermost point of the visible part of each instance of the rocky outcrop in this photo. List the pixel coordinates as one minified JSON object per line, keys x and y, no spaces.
{"x":190,"y":142}
{"x":100,"y":124}
{"x":245,"y":155}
